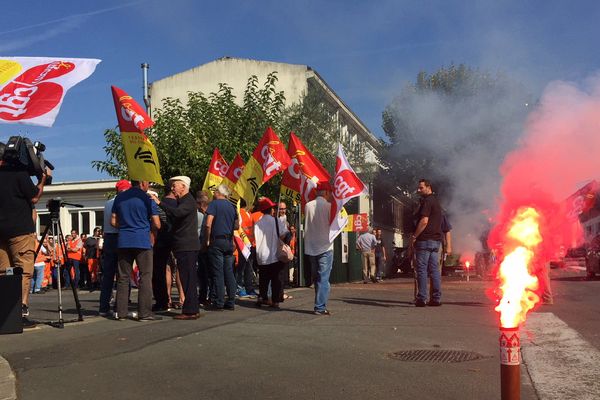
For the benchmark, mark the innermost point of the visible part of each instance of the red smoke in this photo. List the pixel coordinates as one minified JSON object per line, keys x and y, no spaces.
{"x":558,"y":153}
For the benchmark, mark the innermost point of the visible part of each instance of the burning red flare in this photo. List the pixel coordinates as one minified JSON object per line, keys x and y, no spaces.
{"x":516,"y":282}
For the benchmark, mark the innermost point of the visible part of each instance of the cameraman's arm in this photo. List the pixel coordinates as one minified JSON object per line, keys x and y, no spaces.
{"x":40,"y":186}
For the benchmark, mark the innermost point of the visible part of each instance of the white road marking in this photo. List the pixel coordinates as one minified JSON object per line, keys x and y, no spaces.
{"x":561,"y":363}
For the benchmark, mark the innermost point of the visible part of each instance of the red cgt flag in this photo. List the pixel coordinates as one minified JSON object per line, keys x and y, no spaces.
{"x":269,"y":158}
{"x":305,"y":171}
{"x":346,"y":185}
{"x":131,"y":116}
{"x":216,"y":172}
{"x":235,"y":171}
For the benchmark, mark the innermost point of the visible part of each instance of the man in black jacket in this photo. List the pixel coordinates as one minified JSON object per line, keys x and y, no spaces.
{"x":185,"y":242}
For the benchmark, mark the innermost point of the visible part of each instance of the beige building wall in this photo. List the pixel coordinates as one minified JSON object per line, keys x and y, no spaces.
{"x":291,"y":78}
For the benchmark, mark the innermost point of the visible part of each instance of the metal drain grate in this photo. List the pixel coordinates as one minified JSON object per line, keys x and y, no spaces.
{"x":436,"y":356}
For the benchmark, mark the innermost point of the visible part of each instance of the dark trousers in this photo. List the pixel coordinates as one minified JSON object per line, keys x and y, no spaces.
{"x":159,"y":276}
{"x":220,"y":256}
{"x":109,"y":270}
{"x":71,"y":264}
{"x":244,"y":273}
{"x":203,"y":277}
{"x":143,"y":258}
{"x":85,"y":278}
{"x":271,"y":273}
{"x":186,"y":263}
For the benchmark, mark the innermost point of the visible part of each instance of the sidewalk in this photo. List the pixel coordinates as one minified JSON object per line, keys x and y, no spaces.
{"x":257,"y":353}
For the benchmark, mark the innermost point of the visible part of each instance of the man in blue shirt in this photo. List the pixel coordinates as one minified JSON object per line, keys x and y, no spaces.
{"x":221,"y":221}
{"x":135,"y":214}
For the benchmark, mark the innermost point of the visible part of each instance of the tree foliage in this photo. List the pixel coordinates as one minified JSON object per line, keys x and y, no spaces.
{"x":186,"y":134}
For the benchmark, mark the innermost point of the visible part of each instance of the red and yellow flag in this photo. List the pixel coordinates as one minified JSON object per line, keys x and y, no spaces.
{"x":216,"y":172}
{"x":302,"y":175}
{"x":140,"y":154}
{"x":269,"y":158}
{"x":234,"y":172}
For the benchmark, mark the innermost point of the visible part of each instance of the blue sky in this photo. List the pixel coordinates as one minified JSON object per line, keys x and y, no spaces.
{"x":367,"y":51}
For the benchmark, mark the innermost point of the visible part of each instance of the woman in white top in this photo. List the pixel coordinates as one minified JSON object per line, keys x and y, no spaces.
{"x":267,"y":242}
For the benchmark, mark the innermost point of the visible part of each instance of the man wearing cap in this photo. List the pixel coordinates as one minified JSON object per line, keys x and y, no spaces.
{"x":135,"y":214}
{"x":109,"y":252}
{"x":267,"y":235}
{"x":221,"y":221}
{"x":185,"y":243}
{"x":318,"y":246}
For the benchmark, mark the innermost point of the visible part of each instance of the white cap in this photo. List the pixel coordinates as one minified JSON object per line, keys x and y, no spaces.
{"x":185,"y":179}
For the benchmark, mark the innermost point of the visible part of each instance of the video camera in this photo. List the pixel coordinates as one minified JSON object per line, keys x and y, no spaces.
{"x":21,"y":153}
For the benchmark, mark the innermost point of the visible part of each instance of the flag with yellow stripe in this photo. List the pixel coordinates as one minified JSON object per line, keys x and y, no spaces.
{"x":140,"y":154}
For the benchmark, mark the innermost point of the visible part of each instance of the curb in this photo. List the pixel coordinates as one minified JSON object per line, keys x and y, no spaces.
{"x":7,"y":381}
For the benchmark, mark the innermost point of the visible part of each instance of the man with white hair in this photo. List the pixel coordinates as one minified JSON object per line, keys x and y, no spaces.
{"x":221,"y":221}
{"x":185,"y":243}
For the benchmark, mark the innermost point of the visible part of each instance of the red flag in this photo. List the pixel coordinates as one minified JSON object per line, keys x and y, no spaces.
{"x":269,"y":158}
{"x":346,"y":185}
{"x":303,"y":174}
{"x":131,"y":116}
{"x":217,"y":170}
{"x":235,"y":171}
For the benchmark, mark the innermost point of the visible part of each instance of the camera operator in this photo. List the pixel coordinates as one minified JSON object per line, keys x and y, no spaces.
{"x":17,"y":226}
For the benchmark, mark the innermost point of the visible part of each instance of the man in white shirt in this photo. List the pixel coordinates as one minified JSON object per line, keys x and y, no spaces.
{"x":318,"y":246}
{"x":267,"y":236}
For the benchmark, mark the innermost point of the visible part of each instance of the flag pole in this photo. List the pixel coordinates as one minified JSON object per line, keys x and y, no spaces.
{"x":300,"y":247}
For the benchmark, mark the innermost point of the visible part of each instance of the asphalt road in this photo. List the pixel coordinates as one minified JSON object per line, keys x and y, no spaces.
{"x":289,"y":354}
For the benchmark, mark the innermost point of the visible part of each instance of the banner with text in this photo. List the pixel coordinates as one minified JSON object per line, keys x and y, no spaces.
{"x":357,"y":223}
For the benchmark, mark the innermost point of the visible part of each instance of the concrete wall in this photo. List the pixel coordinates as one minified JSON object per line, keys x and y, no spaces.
{"x":235,"y":72}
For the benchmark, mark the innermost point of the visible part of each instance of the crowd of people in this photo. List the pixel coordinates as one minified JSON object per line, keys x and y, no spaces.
{"x":215,"y":251}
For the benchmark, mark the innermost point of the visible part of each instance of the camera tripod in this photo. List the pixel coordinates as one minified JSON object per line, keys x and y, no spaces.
{"x":55,"y":230}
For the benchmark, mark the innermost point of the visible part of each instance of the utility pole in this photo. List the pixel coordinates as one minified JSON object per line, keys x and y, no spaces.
{"x":145,"y":67}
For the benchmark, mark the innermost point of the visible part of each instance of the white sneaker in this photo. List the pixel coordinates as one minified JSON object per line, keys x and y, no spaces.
{"x":132,"y":314}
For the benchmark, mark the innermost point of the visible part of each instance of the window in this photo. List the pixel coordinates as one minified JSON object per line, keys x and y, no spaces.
{"x":75,"y":221}
{"x":100,"y":219}
{"x":44,"y":222}
{"x":85,"y":223}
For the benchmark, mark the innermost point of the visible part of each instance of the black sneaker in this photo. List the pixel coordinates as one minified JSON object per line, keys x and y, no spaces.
{"x":420,"y":303}
{"x":24,"y":310}
{"x":322,"y":312}
{"x":434,"y":303}
{"x":28,"y":324}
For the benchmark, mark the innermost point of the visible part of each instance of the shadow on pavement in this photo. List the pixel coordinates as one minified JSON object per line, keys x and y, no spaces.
{"x":377,"y":302}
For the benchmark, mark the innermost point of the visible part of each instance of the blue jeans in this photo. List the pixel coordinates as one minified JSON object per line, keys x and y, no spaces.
{"x":75,"y":265}
{"x":321,"y":269}
{"x":220,"y":256}
{"x":38,"y":277}
{"x":427,"y":255}
{"x":109,"y":270}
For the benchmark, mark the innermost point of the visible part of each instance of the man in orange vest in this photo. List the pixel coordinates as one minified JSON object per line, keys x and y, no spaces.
{"x":74,"y":254}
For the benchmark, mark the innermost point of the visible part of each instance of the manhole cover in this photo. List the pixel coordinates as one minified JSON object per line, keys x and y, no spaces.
{"x":436,"y":356}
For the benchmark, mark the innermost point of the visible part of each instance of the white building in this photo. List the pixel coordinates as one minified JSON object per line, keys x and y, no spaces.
{"x":90,"y":194}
